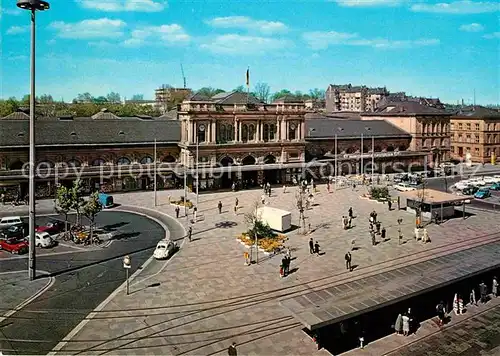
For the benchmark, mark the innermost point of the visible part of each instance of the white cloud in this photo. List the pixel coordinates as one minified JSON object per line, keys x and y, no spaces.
{"x":245,"y":45}
{"x":89,"y":29}
{"x":473,"y":27}
{"x":321,"y":40}
{"x":458,"y":7}
{"x":172,"y":34}
{"x":491,"y":36}
{"x":15,"y":30}
{"x":368,"y":3}
{"x":249,"y":24}
{"x":12,"y":12}
{"x":124,"y":5}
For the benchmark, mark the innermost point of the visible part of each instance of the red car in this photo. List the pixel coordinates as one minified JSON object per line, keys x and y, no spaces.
{"x":53,"y":227}
{"x":14,"y":245}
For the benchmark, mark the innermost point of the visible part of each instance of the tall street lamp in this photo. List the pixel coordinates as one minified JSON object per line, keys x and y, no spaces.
{"x":32,"y":6}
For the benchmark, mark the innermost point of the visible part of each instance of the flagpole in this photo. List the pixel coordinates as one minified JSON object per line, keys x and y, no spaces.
{"x":248,"y":83}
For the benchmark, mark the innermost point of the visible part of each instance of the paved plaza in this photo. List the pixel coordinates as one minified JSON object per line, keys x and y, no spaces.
{"x":205,"y":297}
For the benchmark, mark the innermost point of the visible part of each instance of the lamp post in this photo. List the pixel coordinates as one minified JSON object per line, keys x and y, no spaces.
{"x":336,"y":162}
{"x":127,"y":264}
{"x":32,"y":6}
{"x":155,"y":200}
{"x":373,"y":158}
{"x":201,"y":128}
{"x":361,"y":150}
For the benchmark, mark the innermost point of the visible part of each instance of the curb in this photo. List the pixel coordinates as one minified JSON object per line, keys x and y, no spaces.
{"x":105,"y":302}
{"x":21,"y":305}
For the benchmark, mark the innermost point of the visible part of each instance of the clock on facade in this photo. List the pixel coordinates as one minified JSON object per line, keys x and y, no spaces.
{"x":201,"y":127}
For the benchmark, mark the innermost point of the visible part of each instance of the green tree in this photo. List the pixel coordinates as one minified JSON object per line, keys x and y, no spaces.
{"x":317,"y":93}
{"x":262,"y":92}
{"x":84,"y":98}
{"x":280,"y":94}
{"x":8,"y":106}
{"x":240,"y":89}
{"x":77,"y":200}
{"x":209,"y":91}
{"x":100,"y":100}
{"x":90,"y":209}
{"x":26,"y":99}
{"x":113,"y":97}
{"x":64,"y":203}
{"x":138,"y":97}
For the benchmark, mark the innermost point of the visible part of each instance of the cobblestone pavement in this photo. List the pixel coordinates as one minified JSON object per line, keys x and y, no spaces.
{"x":205,"y":297}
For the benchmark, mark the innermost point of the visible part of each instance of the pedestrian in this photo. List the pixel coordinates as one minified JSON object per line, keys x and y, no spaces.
{"x":483,"y":290}
{"x":348,"y":259}
{"x":350,"y":212}
{"x":284,"y":188}
{"x":472,"y":297}
{"x":425,"y":237}
{"x":382,"y":233}
{"x":441,"y":312}
{"x":494,"y":287}
{"x":311,"y":246}
{"x":374,"y":242}
{"x":436,"y":221}
{"x":398,"y":325}
{"x":236,"y":203}
{"x":374,"y":216}
{"x":190,"y":233}
{"x":177,"y":211}
{"x":287,"y":266}
{"x":406,"y":324}
{"x":400,"y":236}
{"x":231,"y":351}
{"x":410,"y":322}
{"x":316,"y":248}
{"x":377,"y":225}
{"x":389,"y":204}
{"x":219,"y":206}
{"x":350,"y":222}
{"x":400,"y":221}
{"x":283,"y":267}
{"x":195,"y":214}
{"x":269,"y":191}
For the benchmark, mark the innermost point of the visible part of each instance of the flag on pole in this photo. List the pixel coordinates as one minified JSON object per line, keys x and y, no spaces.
{"x":248,"y":77}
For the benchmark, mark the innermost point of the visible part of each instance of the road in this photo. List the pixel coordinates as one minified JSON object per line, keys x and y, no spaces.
{"x":84,"y":279}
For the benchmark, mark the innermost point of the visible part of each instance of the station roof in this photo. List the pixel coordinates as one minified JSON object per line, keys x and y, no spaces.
{"x":328,"y":128}
{"x":433,"y":196}
{"x":344,"y":301}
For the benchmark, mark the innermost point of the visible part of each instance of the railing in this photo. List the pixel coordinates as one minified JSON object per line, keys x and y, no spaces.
{"x":272,"y":108}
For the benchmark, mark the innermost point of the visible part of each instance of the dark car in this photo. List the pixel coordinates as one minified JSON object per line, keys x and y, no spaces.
{"x":470,"y":190}
{"x":53,"y":227}
{"x":15,"y":231}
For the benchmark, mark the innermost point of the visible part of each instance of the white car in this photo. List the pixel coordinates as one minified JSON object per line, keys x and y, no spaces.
{"x":462,"y":184}
{"x":164,"y":249}
{"x":490,"y":180}
{"x":404,"y":187}
{"x":10,"y":221}
{"x":44,"y":240}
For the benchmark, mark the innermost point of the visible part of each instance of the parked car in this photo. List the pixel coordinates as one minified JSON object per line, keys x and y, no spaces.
{"x":14,"y":245}
{"x":404,"y":187}
{"x":52,"y":227}
{"x":482,"y":194}
{"x":470,"y":190}
{"x":164,"y":249}
{"x":495,"y":186}
{"x":15,"y":231}
{"x":489,"y":180}
{"x":398,"y":178}
{"x":43,"y":239}
{"x":9,"y":221}
{"x":106,"y":200}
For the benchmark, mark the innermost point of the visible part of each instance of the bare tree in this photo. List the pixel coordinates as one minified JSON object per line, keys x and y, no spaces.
{"x":421,"y":195}
{"x":301,"y":203}
{"x":262,"y":92}
{"x":253,"y":220}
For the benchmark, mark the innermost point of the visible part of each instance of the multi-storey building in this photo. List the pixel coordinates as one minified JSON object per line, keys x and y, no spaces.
{"x":401,"y":96}
{"x":475,"y":134}
{"x":353,"y":98}
{"x":428,"y":126}
{"x":238,"y":138}
{"x":167,"y":97}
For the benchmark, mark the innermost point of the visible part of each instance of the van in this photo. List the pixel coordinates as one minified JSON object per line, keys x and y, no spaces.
{"x":9,"y":221}
{"x":106,"y":200}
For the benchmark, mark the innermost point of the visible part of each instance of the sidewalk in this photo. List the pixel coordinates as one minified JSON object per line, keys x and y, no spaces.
{"x":205,"y":298}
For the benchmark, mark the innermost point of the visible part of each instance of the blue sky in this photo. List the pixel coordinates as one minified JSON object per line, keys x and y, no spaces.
{"x":429,"y":48}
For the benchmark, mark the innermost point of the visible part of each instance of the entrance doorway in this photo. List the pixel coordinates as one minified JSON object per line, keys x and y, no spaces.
{"x":226,"y":179}
{"x":271,"y":175}
{"x":249,"y":178}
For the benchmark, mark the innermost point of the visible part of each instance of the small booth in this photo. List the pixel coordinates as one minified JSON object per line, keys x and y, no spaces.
{"x":434,"y":203}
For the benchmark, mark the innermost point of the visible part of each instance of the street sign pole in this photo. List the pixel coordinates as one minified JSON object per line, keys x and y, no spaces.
{"x":127,"y":265}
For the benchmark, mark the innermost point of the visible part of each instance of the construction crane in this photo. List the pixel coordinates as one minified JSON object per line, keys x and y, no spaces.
{"x":183,"y":76}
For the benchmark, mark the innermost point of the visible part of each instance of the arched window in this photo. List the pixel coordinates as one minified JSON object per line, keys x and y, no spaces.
{"x":292,"y":131}
{"x":230,"y":132}
{"x":74,"y":163}
{"x":437,"y":142}
{"x":98,"y":162}
{"x":272,"y":131}
{"x":147,"y":160}
{"x":265,"y":134}
{"x":244,"y":132}
{"x":251,"y":132}
{"x":222,"y":133}
{"x":122,"y":161}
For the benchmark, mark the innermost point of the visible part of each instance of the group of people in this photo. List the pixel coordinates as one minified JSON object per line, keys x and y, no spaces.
{"x":285,"y":265}
{"x":313,"y":247}
{"x":404,"y":323}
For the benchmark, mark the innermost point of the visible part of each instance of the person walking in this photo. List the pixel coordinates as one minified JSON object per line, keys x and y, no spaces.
{"x":472,"y":297}
{"x":406,"y":325}
{"x":350,"y":212}
{"x":374,"y":241}
{"x":219,"y":206}
{"x":348,"y":259}
{"x":177,"y":211}
{"x":350,"y":222}
{"x":311,"y":246}
{"x":236,"y":203}
{"x":195,"y":214}
{"x":377,"y":225}
{"x":441,"y":313}
{"x":231,"y":350}
{"x":389,"y":204}
{"x":494,"y":287}
{"x":382,"y":233}
{"x":316,"y":248}
{"x":425,"y":236}
{"x":400,"y":236}
{"x":190,"y":233}
{"x":483,"y":290}
{"x":398,"y":325}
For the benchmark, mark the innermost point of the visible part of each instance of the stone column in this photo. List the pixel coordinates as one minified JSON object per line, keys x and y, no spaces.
{"x":189,"y":126}
{"x":214,"y":131}
{"x":235,"y":137}
{"x":277,"y":133}
{"x":302,"y":130}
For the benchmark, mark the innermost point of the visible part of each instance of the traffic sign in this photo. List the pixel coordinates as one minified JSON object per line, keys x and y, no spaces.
{"x":126,"y":262}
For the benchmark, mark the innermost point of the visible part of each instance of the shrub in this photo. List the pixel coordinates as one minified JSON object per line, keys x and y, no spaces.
{"x":379,"y":193}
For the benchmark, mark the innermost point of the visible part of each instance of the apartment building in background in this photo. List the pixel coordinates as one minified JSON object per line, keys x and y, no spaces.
{"x":475,"y":134}
{"x":167,"y":97}
{"x":353,"y":98}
